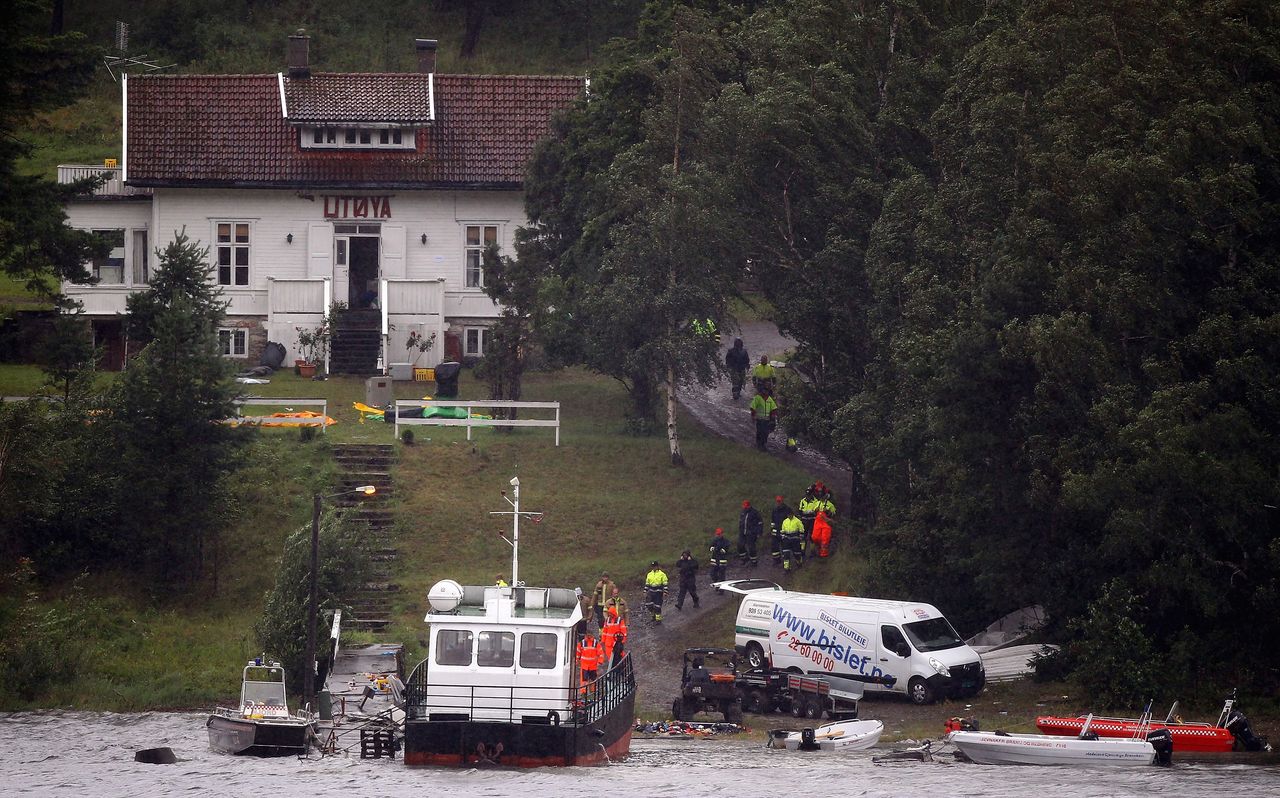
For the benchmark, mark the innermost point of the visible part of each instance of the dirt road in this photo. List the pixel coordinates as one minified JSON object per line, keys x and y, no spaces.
{"x":716,"y":409}
{"x":654,"y":647}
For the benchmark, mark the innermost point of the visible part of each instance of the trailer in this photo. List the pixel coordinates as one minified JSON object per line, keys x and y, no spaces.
{"x":814,"y":696}
{"x":804,"y":696}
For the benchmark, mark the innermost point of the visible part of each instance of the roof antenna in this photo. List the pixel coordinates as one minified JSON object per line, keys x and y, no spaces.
{"x":122,"y":61}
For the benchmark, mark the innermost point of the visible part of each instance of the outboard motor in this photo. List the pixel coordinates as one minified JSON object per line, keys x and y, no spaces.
{"x":1238,"y":725}
{"x":1162,"y":741}
{"x":808,"y":740}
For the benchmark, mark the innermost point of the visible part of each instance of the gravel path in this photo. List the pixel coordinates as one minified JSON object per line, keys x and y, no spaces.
{"x":716,"y":409}
{"x":657,"y":667}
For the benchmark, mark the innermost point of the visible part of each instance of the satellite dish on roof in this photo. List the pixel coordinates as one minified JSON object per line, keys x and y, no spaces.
{"x":445,"y":595}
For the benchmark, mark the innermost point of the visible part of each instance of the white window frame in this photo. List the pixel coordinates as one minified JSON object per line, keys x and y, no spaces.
{"x":228,"y":344}
{"x":482,"y":338}
{"x":233,"y":247}
{"x":473,"y":254}
{"x":139,"y":259}
{"x":381,"y":137}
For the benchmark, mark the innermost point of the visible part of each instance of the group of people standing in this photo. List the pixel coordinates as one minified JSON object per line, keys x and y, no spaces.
{"x":790,"y":532}
{"x":764,"y":407}
{"x":598,"y":654}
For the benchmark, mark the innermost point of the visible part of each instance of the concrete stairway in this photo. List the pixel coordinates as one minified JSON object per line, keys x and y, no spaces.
{"x":370,"y":464}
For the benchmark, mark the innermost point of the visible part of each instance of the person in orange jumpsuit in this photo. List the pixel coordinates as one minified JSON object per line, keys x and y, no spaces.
{"x":822,"y":534}
{"x":608,"y":638}
{"x":589,"y":655}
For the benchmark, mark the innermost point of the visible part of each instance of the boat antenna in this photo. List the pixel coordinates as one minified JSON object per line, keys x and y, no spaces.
{"x":515,"y":514}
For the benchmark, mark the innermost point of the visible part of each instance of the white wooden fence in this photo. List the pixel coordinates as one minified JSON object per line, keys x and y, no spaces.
{"x":471,"y":421}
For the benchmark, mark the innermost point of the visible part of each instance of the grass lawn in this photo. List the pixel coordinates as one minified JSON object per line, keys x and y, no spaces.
{"x":611,"y":502}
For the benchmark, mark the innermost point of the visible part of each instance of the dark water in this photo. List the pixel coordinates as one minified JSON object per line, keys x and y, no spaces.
{"x":91,"y":754}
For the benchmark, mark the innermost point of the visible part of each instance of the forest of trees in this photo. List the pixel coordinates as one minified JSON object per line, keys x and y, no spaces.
{"x":1028,"y":253}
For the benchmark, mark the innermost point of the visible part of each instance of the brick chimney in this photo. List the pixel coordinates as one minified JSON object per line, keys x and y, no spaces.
{"x":300,"y":55}
{"x":426,"y":55}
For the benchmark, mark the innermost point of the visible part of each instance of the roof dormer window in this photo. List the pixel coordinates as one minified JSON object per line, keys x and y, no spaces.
{"x":362,"y":138}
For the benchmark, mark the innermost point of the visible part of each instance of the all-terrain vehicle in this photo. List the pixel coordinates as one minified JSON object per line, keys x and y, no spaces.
{"x":708,"y":683}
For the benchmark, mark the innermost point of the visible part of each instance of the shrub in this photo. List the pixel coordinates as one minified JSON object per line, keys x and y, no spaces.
{"x":1112,"y":654}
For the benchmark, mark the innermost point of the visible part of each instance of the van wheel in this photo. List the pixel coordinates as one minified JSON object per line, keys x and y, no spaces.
{"x":755,"y":656}
{"x":920,"y":692}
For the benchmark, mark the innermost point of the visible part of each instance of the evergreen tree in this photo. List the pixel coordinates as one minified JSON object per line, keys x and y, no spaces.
{"x":173,"y":454}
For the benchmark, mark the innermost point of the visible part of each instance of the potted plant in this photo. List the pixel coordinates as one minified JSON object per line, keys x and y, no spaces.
{"x":313,"y":345}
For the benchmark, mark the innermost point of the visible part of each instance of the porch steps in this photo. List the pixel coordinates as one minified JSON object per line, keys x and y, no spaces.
{"x":357,"y":340}
{"x":370,"y":464}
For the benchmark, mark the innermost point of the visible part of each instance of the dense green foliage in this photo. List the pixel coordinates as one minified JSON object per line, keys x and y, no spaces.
{"x":143,"y":483}
{"x":42,"y":72}
{"x":1028,"y":253}
{"x":344,"y":567}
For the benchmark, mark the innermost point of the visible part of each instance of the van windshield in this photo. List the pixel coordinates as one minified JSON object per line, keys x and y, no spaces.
{"x":934,"y":634}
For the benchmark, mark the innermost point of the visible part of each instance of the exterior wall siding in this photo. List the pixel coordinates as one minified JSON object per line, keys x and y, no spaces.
{"x":442,"y":216}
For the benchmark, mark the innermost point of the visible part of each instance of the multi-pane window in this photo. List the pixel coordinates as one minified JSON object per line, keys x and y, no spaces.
{"x":323,"y":138}
{"x":109,"y":269}
{"x":233,"y":253}
{"x":474,"y":341}
{"x":233,"y":342}
{"x":479,"y":238}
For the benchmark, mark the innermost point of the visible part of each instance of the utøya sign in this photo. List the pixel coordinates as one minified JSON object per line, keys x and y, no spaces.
{"x":341,"y":206}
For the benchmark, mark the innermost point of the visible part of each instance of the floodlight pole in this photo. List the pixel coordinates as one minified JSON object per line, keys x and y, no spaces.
{"x":309,"y":674}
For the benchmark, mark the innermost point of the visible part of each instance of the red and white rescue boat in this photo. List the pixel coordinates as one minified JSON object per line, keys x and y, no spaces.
{"x":1216,"y":738}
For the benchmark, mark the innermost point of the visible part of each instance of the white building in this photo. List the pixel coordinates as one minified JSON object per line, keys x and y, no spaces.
{"x":380,"y":191}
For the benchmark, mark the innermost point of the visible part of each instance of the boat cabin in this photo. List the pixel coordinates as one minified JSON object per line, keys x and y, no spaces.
{"x":500,"y":654}
{"x":262,"y":693}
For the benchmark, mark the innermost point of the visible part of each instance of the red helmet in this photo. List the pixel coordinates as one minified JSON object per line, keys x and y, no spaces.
{"x":778,"y":499}
{"x":745,"y":504}
{"x":719,"y":532}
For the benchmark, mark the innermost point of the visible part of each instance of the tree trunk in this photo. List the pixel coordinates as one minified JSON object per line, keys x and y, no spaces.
{"x":673,"y":433}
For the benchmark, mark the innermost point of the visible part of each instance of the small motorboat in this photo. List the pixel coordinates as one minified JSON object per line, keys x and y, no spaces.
{"x":1231,"y":731}
{"x":845,"y":735}
{"x":261,"y":725}
{"x":1002,"y":748}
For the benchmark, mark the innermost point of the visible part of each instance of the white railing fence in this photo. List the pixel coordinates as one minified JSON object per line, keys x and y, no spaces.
{"x":472,"y":421}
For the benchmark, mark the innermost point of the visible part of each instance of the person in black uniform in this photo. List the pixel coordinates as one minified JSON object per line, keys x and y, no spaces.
{"x":719,"y":553}
{"x":687,"y":567}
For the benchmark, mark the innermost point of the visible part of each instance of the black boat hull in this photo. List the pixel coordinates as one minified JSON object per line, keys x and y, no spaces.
{"x":246,"y":737}
{"x":455,"y":743}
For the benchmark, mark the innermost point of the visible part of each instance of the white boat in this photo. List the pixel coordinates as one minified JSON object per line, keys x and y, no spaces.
{"x":845,"y":735}
{"x":990,"y":748}
{"x":261,"y":725}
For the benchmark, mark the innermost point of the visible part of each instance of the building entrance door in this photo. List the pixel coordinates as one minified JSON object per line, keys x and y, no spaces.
{"x":356,"y":267}
{"x":364,"y":272}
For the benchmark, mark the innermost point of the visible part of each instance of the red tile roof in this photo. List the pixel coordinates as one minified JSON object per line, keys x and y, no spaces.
{"x":229,"y":131}
{"x":348,"y":98}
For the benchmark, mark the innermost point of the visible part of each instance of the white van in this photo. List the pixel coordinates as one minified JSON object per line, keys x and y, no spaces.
{"x":895,"y":646}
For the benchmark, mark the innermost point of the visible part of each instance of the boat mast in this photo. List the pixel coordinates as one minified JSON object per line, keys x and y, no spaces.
{"x":515,"y":527}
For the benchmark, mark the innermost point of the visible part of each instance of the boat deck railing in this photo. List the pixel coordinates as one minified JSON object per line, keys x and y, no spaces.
{"x":519,"y":704}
